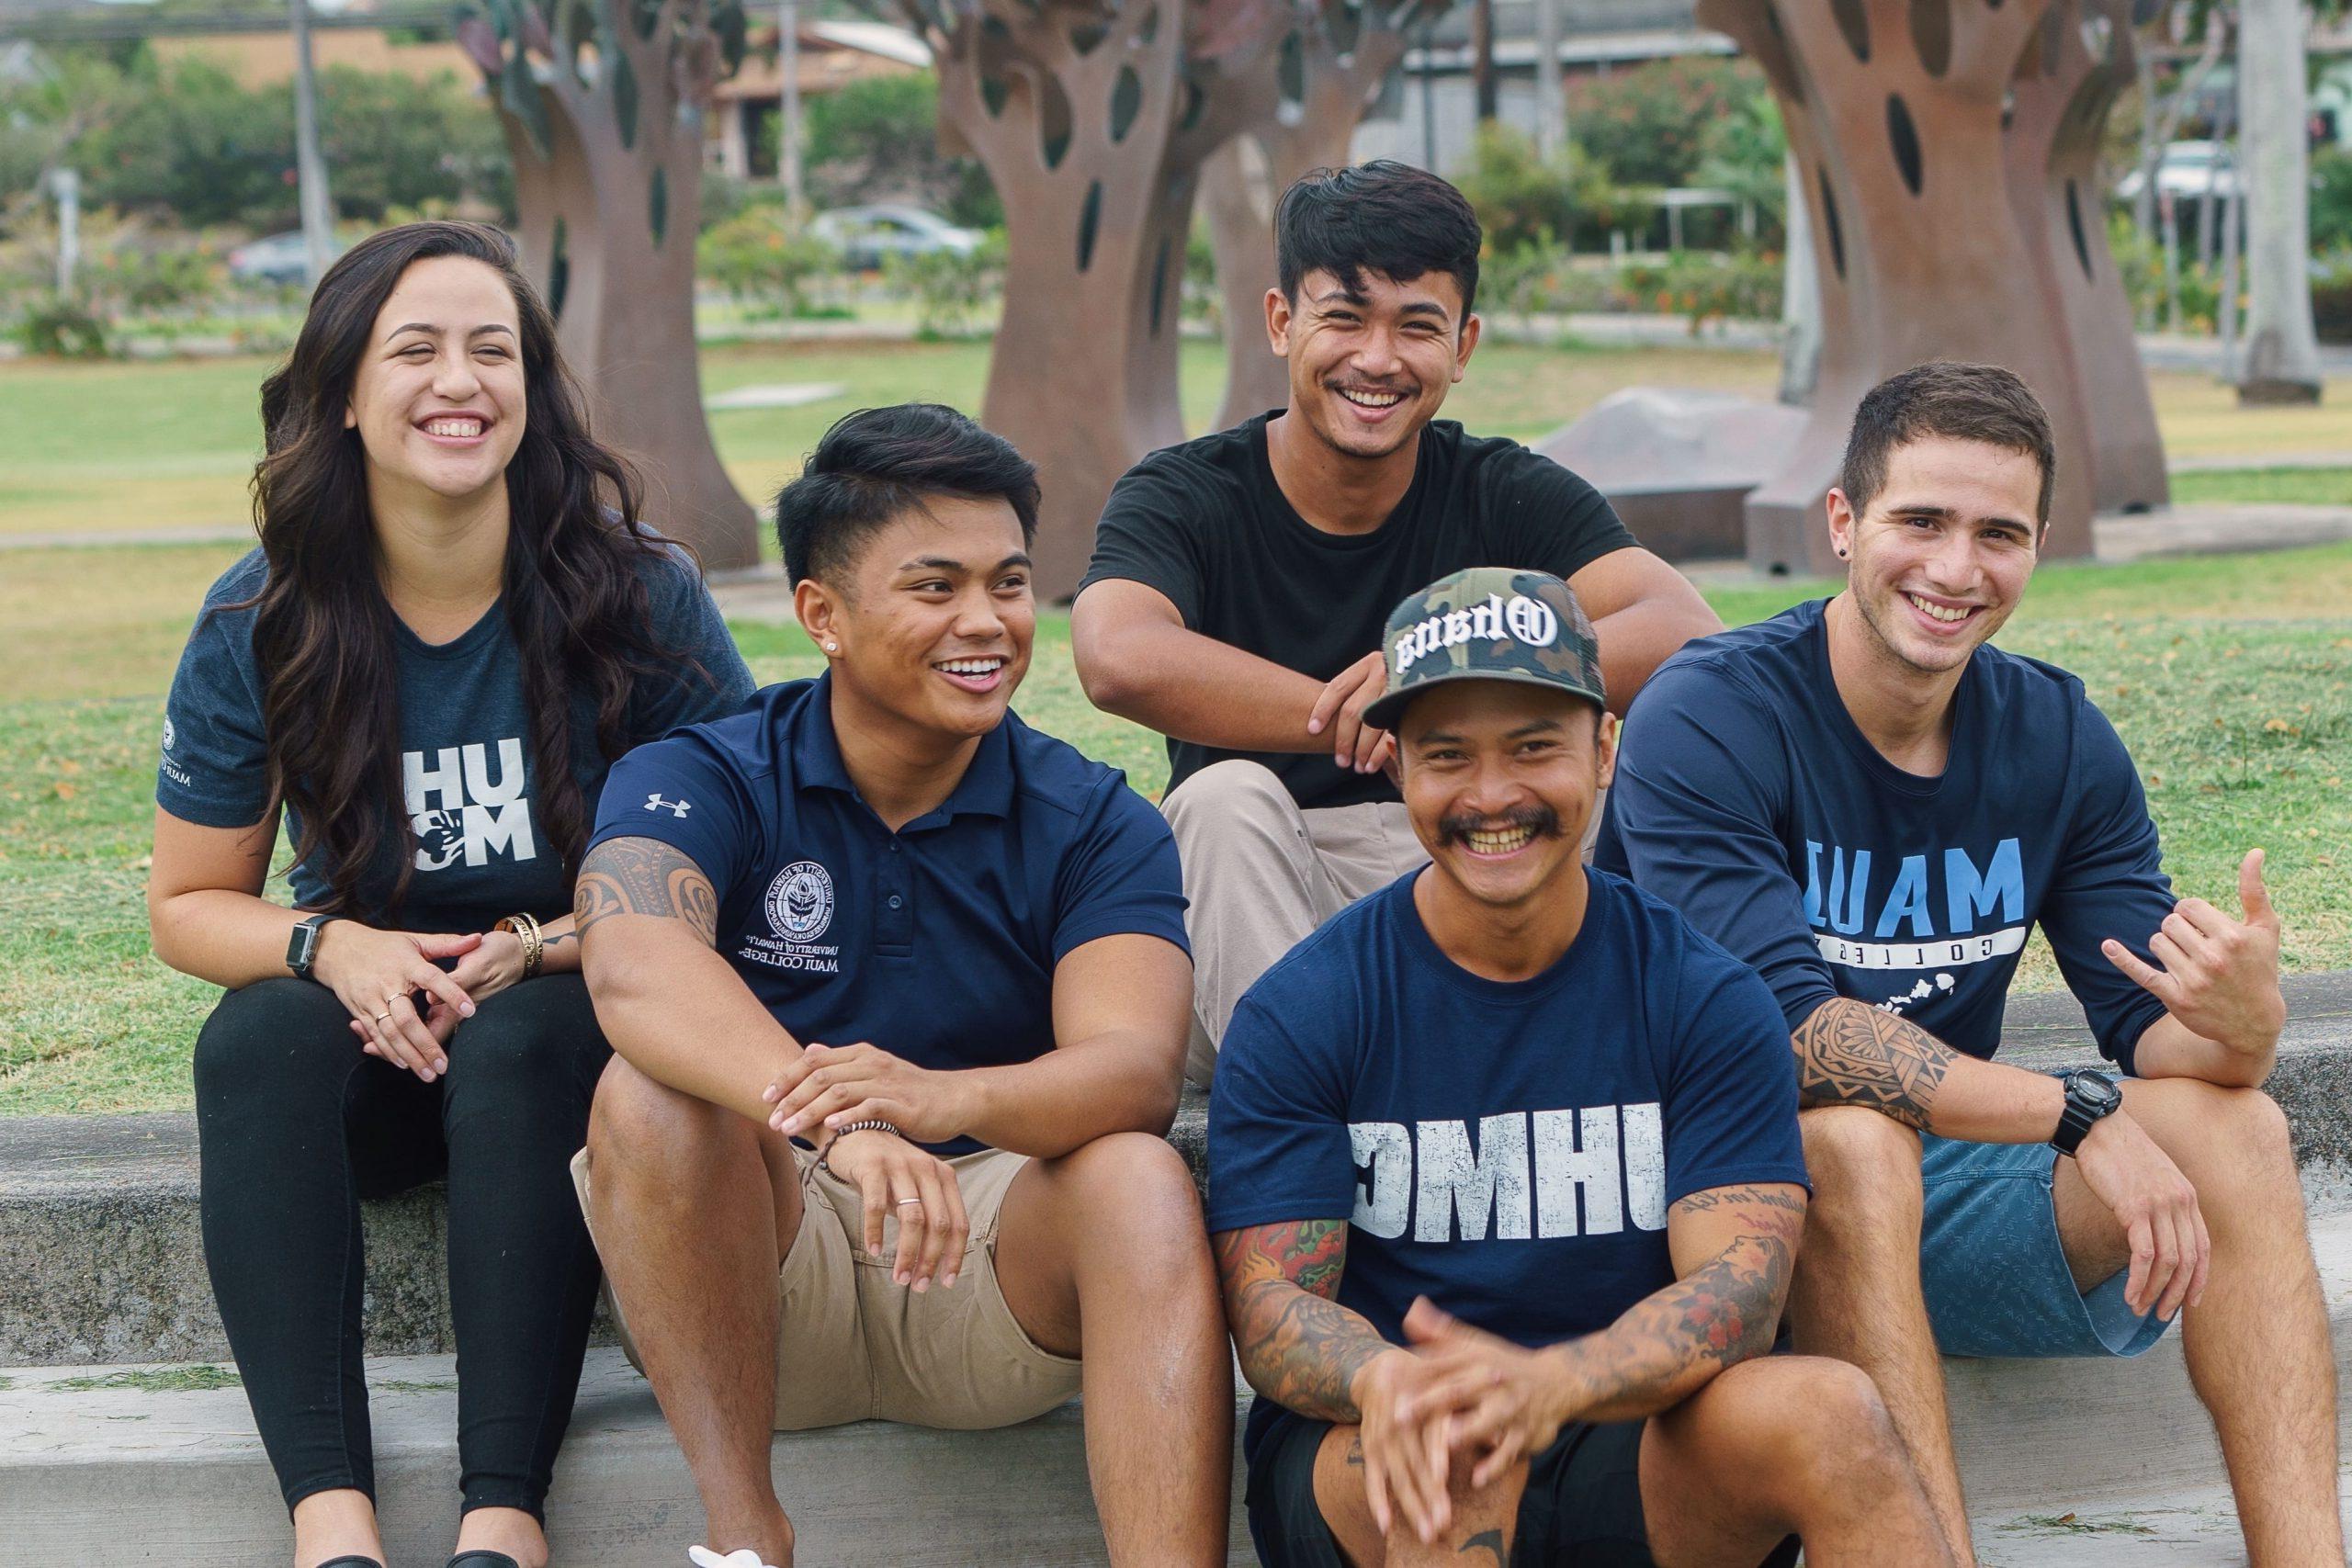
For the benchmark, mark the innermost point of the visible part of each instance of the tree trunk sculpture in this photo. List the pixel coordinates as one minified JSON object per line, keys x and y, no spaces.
{"x":1332,"y":60}
{"x":1092,"y":118}
{"x":2082,"y":59}
{"x":1895,"y":109}
{"x":602,"y":104}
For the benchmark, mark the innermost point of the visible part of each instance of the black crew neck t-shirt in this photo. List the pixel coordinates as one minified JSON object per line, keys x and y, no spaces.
{"x":1205,"y":524}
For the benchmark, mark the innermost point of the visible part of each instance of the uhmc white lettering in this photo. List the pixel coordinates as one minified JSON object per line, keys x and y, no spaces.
{"x":1566,"y":1165}
{"x":504,"y":828}
{"x":446,"y":780}
{"x":478,"y":789}
{"x":1454,"y":1183}
{"x":1645,"y":1166}
{"x":1387,"y":1149}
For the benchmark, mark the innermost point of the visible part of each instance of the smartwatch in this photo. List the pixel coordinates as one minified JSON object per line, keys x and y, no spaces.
{"x":303,"y":945}
{"x":2091,"y":1098}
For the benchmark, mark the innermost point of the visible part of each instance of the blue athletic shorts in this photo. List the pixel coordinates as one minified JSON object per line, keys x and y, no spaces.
{"x":1995,"y":1275}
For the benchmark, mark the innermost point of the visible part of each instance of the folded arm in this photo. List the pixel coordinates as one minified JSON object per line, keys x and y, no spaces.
{"x":1297,"y":1345}
{"x":670,"y":1004}
{"x":1850,"y":1053}
{"x":1642,"y":611}
{"x":1136,"y":659}
{"x":1732,"y":1247}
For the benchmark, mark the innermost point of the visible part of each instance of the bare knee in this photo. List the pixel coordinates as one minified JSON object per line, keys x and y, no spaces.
{"x":1133,"y":1179}
{"x":1865,"y":1168}
{"x":1818,"y":1423}
{"x":637,"y":1123}
{"x":2233,"y":1144}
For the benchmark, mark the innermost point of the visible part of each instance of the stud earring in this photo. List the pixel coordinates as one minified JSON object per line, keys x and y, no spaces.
{"x":833,"y":647}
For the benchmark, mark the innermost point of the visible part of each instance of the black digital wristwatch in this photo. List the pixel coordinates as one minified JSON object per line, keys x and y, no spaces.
{"x":303,"y":945}
{"x":2091,"y":1098}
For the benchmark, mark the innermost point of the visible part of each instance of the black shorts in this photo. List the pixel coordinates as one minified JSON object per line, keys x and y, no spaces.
{"x":1582,"y":1507}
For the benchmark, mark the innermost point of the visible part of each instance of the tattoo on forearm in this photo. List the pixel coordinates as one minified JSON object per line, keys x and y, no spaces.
{"x":1850,"y":1053}
{"x":1299,"y":1347}
{"x":644,"y":876}
{"x":1717,"y":1315}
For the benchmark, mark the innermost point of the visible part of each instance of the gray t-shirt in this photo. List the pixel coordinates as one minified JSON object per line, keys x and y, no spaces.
{"x":467,"y":768}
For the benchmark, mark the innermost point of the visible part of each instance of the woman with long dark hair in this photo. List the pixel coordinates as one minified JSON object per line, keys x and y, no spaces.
{"x":454,"y":622}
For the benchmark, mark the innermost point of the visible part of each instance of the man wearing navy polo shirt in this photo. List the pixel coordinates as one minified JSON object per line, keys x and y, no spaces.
{"x":898,"y":988}
{"x":1873,"y":806}
{"x":1505,"y":1177}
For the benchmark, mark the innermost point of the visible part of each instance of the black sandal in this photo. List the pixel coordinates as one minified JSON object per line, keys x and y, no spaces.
{"x":354,"y":1560}
{"x":480,"y":1557}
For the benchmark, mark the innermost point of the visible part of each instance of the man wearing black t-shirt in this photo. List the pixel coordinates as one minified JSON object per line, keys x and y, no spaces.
{"x":1240,"y":581}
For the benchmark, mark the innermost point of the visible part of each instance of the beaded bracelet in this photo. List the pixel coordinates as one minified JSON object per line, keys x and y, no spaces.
{"x":873,"y":1126}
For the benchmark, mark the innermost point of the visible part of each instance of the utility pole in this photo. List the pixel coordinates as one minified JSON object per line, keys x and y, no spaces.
{"x":65,"y":185}
{"x":2281,"y":361}
{"x":788,"y":65}
{"x":1551,"y":96}
{"x":310,"y":167}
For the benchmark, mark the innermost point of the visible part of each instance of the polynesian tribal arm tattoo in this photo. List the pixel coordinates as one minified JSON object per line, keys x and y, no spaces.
{"x":1668,"y":1344}
{"x":1850,"y":1053}
{"x":644,"y":876}
{"x":1298,"y":1347}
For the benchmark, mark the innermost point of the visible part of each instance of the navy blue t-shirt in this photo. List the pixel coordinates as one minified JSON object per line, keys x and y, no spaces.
{"x":937,"y":942}
{"x":1747,"y":796}
{"x":1508,"y":1149}
{"x":467,"y":773}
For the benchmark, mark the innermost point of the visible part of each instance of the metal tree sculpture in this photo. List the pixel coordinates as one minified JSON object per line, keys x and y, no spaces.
{"x":1930,"y":203}
{"x":1333,"y":59}
{"x":1092,"y":118}
{"x":602,"y":102}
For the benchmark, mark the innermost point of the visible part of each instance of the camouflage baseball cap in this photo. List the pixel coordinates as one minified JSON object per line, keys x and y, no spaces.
{"x":1491,"y":622}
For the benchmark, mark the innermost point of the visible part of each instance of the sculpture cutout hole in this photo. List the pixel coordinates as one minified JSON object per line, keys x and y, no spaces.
{"x":1127,"y":99}
{"x":658,"y":205}
{"x":1829,"y":220}
{"x":1085,"y":35}
{"x":625,"y":98}
{"x":1290,"y":70}
{"x":643,"y":15}
{"x":1150,"y":28}
{"x":1856,"y":25}
{"x":1090,"y":218}
{"x":1158,"y":285}
{"x":1932,"y":34}
{"x":1197,"y":103}
{"x":2145,"y":11}
{"x":1905,"y":139}
{"x":2074,"y":227}
{"x":2099,"y":39}
{"x":1343,"y":25}
{"x":559,"y":269}
{"x":1054,"y":118}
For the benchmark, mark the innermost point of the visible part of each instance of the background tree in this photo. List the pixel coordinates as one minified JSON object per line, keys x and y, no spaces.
{"x":876,"y":138}
{"x":603,"y":104}
{"x":2279,"y":362}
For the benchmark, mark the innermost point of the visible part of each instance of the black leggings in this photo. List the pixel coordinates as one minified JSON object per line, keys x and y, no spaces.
{"x":298,"y":1124}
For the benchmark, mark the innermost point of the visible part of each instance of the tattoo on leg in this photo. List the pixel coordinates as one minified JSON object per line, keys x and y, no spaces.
{"x":1850,"y":1053}
{"x":1355,"y":1452}
{"x":1488,"y":1541}
{"x":644,"y":876}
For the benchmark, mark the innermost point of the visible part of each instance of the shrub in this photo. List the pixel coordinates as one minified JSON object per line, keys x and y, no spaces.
{"x":2331,"y":200}
{"x":949,"y":290}
{"x":878,"y":138}
{"x":1743,"y":286}
{"x":762,"y":254}
{"x":57,"y":327}
{"x":1522,"y":199}
{"x":2332,"y":298}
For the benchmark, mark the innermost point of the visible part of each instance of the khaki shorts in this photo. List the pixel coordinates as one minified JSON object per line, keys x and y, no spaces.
{"x":852,"y":1344}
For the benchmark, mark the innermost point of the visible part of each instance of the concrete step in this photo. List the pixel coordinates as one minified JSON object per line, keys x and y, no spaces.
{"x":101,"y":1260}
{"x":2182,"y":1529}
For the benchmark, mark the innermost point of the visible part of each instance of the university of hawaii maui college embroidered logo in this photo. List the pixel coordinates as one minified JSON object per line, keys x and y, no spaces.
{"x":800,"y":901}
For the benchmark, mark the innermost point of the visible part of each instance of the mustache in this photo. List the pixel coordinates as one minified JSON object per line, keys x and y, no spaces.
{"x":1541,"y":820}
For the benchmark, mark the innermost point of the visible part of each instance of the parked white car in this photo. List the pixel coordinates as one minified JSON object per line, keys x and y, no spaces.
{"x":868,"y":236}
{"x":2189,"y":171}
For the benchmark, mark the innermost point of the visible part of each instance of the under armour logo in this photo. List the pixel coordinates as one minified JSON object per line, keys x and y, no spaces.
{"x":674,"y":807}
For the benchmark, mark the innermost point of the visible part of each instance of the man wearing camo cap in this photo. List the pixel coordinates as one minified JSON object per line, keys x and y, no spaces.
{"x":1505,"y":1179}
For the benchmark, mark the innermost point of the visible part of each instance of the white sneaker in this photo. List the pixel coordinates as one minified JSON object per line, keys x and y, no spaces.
{"x":704,"y":1557}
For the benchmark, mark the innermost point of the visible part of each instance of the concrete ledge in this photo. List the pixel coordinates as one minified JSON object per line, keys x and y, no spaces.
{"x":101,"y":1260}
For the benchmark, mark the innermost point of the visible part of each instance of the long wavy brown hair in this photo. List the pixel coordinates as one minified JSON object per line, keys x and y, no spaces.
{"x":574,"y":589}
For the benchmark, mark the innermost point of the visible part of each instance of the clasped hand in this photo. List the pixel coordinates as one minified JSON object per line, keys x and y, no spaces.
{"x":375,"y":972}
{"x":829,"y":1087}
{"x":1460,"y":1394}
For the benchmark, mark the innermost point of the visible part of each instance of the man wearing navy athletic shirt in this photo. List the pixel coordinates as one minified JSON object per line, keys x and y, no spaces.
{"x":1873,"y":806}
{"x":1506,"y":1183}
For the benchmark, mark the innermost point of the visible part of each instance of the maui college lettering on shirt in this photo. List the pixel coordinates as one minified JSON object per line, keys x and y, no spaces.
{"x":1509,"y":1185}
{"x":1903,"y":932}
{"x":460,"y":811}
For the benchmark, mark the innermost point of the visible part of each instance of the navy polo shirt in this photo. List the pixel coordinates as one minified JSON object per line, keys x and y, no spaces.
{"x":937,"y":942}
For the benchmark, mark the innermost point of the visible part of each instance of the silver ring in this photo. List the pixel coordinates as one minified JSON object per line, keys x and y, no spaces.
{"x":904,"y":1201}
{"x":383,"y":1015}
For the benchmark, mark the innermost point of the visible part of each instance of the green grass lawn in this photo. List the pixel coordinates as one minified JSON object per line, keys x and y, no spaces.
{"x":2224,"y":675}
{"x":2294,"y":486}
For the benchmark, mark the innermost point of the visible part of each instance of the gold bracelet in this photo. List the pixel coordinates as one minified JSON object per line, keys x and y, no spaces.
{"x":525,"y":927}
